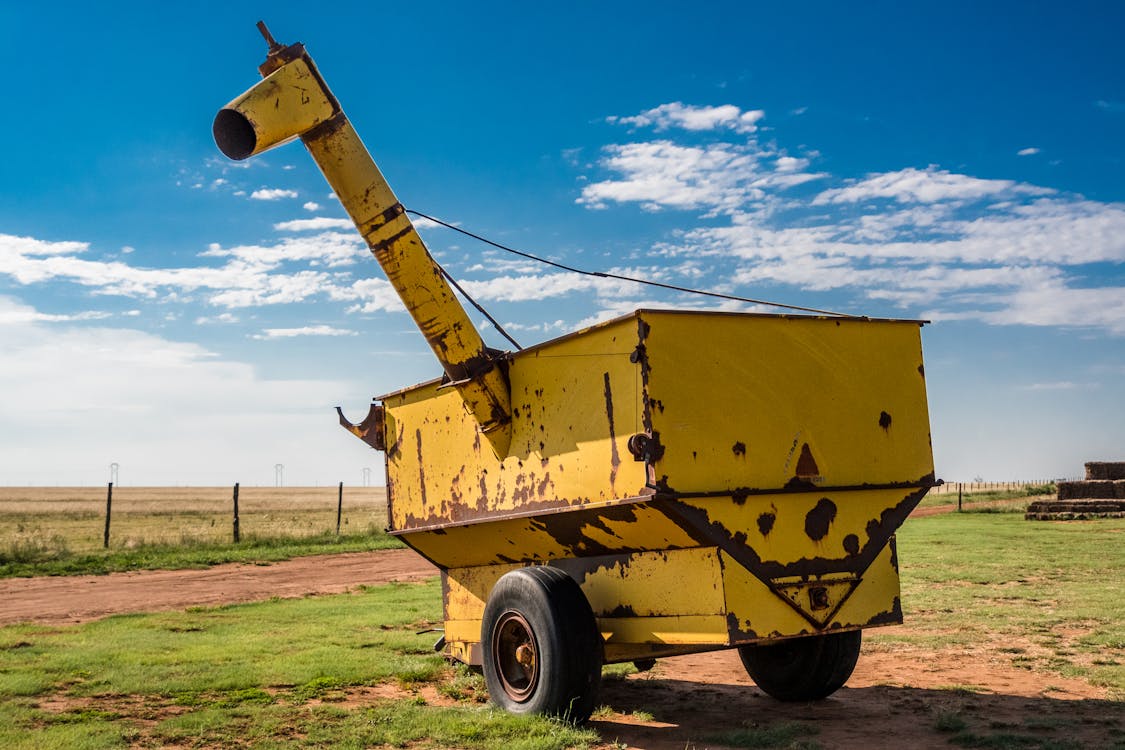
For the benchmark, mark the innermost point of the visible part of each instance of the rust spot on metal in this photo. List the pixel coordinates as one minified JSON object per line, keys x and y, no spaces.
{"x":570,"y":529}
{"x":740,"y":495}
{"x":622,"y":610}
{"x":851,"y":545}
{"x":738,"y":631}
{"x":806,"y":464}
{"x":819,"y":519}
{"x":796,"y":484}
{"x":580,"y":568}
{"x":739,"y":448}
{"x":614,"y":457}
{"x":818,"y":597}
{"x":421,"y":467}
{"x":697,"y":523}
{"x":922,"y":370}
{"x":765,"y":523}
{"x":381,"y":248}
{"x":892,"y":616}
{"x":884,"y":420}
{"x":370,"y":430}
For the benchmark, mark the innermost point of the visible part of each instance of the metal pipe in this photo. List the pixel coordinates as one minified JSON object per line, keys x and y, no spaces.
{"x":293,"y":101}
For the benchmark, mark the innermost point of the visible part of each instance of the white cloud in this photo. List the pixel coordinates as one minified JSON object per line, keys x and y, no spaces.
{"x":928,"y":185}
{"x":14,"y":314}
{"x":319,"y":330}
{"x":272,"y":194}
{"x":720,"y":177}
{"x":311,"y":206}
{"x":139,"y":398}
{"x":688,"y":117}
{"x":248,"y":278}
{"x":1030,"y":151}
{"x":220,"y":318}
{"x":317,"y":224}
{"x":1061,"y":385}
{"x":369,"y":295}
{"x":931,"y":241}
{"x":328,"y":249}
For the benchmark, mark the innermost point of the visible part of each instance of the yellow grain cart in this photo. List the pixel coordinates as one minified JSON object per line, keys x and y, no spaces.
{"x":665,"y":483}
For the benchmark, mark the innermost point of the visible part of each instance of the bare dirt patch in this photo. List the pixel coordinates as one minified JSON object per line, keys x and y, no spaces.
{"x":74,"y":599}
{"x":891,"y":702}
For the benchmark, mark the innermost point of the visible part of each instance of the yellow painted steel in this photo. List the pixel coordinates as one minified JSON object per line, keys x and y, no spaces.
{"x":293,"y":101}
{"x":743,"y":401}
{"x":788,"y":451}
{"x":708,"y":479}
{"x":575,"y":402}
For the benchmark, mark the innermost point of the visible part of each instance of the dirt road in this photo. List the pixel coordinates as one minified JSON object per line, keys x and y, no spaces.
{"x":74,"y":599}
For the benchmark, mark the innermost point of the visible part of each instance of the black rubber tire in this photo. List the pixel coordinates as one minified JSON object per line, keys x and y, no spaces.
{"x":547,"y":609}
{"x":803,"y":669}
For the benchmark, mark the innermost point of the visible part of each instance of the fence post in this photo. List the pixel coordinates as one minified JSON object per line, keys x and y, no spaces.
{"x":236,"y":535}
{"x":339,"y":507}
{"x":108,"y":505}
{"x":958,"y":497}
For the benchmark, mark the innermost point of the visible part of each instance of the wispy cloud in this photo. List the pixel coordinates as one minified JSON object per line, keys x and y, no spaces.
{"x":719,"y":177}
{"x":1029,"y":151}
{"x":286,"y":333}
{"x":688,"y":117}
{"x":928,"y":240}
{"x":930,"y":185}
{"x":251,"y":276}
{"x":272,"y":194}
{"x":1060,"y":385}
{"x":12,"y":314}
{"x":310,"y":225}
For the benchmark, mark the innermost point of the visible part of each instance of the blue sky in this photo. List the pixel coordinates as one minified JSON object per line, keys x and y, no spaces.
{"x":195,"y":320}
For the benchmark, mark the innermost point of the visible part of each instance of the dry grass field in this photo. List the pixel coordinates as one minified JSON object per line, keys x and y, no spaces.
{"x":73,"y":518}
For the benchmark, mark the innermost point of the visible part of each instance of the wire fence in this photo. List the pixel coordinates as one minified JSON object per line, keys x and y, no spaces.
{"x":88,"y":518}
{"x":1012,"y":486}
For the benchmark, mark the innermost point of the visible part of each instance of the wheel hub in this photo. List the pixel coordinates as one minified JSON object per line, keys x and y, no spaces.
{"x":515,"y":654}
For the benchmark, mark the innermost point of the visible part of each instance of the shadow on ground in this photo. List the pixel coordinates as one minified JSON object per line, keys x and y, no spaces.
{"x":686,"y":715}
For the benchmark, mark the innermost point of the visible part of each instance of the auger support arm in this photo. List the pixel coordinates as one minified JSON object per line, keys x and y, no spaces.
{"x":293,"y":101}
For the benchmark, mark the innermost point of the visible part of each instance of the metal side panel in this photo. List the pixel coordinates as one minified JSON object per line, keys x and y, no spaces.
{"x":814,"y":604}
{"x":808,"y":551}
{"x":750,"y":403}
{"x":590,"y":530}
{"x":575,"y":403}
{"x":645,"y":603}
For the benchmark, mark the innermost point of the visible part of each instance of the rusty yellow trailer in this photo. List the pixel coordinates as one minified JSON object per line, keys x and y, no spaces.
{"x":665,"y":483}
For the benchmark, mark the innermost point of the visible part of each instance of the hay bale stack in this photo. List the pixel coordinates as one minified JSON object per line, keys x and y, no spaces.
{"x":1105,"y":470}
{"x":1100,"y":495}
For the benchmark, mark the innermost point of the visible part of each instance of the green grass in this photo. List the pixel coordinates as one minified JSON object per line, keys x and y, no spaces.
{"x":318,"y":671}
{"x":24,"y":559}
{"x":789,"y":734}
{"x":1044,"y":595}
{"x":270,"y":674}
{"x":60,"y":530}
{"x":984,"y":496}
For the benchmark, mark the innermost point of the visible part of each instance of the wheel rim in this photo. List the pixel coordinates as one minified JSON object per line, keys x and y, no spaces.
{"x":516,"y":656}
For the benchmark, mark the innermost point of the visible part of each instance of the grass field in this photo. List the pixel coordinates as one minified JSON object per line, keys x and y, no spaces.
{"x":60,"y":530}
{"x":350,"y":670}
{"x":1046,"y":595}
{"x":1020,"y":494}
